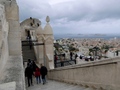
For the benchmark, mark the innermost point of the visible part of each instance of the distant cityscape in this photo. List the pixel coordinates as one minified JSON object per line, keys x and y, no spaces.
{"x":95,"y":46}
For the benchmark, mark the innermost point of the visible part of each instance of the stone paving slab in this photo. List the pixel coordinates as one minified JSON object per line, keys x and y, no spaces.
{"x":54,"y":85}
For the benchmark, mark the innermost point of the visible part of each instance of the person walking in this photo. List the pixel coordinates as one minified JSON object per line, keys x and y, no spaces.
{"x":55,"y":60}
{"x":37,"y":75}
{"x":28,"y":74}
{"x":76,"y":56}
{"x":71,"y":55}
{"x":34,"y":66}
{"x":43,"y":71}
{"x":29,"y":62}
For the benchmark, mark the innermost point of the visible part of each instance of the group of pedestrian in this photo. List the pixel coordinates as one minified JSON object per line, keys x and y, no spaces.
{"x":71,"y":56}
{"x":33,"y":70}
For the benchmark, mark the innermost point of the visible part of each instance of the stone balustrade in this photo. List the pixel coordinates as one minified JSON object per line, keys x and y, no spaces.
{"x":102,"y":74}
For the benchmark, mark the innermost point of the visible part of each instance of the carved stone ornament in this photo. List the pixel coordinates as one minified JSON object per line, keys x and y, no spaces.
{"x":47,"y":19}
{"x":49,"y":41}
{"x":40,"y":40}
{"x":40,"y":37}
{"x":40,"y":23}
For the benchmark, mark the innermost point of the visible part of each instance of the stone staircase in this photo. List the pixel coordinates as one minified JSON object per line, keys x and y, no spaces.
{"x":28,"y":53}
{"x":54,"y":85}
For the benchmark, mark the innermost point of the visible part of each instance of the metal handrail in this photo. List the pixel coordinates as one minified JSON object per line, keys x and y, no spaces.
{"x":62,"y":63}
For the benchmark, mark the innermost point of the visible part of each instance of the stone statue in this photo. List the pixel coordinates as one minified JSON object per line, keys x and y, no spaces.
{"x":47,"y":19}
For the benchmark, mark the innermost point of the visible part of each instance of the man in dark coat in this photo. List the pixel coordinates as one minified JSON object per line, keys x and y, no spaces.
{"x":43,"y":71}
{"x":28,"y":74}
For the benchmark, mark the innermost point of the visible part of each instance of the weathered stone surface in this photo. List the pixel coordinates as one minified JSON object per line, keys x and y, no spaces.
{"x":8,"y":86}
{"x":3,"y":38}
{"x":13,"y":71}
{"x":14,"y":38}
{"x":48,"y":29}
{"x":11,"y":68}
{"x":11,"y":9}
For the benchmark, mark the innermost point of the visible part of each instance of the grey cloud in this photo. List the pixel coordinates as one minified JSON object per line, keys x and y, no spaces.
{"x":33,"y":9}
{"x":75,"y":15}
{"x":74,"y":10}
{"x":94,"y":11}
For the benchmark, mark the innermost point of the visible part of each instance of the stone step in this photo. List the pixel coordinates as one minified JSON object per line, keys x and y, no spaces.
{"x":29,"y":56}
{"x":28,"y":53}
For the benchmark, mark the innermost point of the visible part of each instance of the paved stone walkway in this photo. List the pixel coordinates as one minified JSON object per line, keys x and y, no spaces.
{"x":54,"y":85}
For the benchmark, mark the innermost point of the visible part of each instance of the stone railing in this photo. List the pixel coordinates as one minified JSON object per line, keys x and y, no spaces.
{"x":103,"y":74}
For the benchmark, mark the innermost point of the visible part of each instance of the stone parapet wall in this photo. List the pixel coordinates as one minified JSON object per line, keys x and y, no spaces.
{"x":103,"y":74}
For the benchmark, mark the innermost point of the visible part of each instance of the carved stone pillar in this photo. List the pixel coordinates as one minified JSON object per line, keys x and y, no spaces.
{"x":40,"y":48}
{"x":49,"y":50}
{"x":49,"y":53}
{"x":14,"y":34}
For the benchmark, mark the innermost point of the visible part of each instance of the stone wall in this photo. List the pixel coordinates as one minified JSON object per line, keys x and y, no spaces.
{"x":11,"y":62}
{"x":103,"y":74}
{"x":3,"y":38}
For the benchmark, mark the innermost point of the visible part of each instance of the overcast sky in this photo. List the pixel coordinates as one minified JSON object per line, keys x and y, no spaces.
{"x":74,"y":16}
